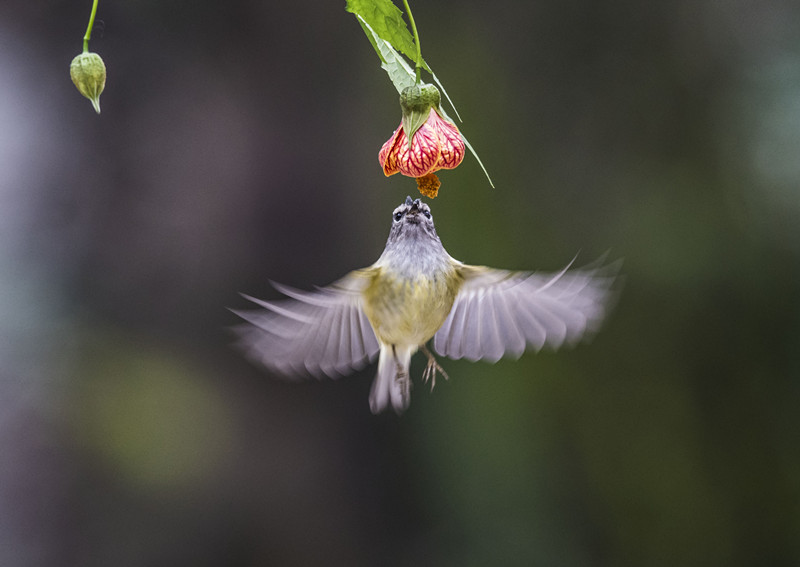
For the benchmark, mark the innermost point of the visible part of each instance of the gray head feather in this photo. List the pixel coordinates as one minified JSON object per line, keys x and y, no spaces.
{"x":413,"y":246}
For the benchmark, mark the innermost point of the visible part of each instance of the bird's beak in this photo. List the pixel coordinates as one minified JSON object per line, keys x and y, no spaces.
{"x":413,"y":213}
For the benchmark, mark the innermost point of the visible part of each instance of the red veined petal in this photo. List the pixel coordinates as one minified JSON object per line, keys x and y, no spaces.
{"x":388,"y":154}
{"x":451,"y":143}
{"x":423,"y":156}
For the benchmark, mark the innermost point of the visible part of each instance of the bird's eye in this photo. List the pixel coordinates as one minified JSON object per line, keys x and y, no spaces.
{"x":398,"y":216}
{"x":427,"y":214}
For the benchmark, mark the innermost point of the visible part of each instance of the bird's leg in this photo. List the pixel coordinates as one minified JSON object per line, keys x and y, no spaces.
{"x":401,"y":375}
{"x":432,"y":367}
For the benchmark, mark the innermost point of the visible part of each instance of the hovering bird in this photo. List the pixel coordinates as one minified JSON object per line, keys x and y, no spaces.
{"x":414,"y":292}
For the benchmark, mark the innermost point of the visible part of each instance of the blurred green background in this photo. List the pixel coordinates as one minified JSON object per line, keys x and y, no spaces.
{"x":238,"y":143}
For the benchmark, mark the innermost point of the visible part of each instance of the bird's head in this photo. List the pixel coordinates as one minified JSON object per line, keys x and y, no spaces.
{"x":412,"y":213}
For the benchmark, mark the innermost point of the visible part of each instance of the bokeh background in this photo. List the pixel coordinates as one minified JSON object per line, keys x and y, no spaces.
{"x":238,"y":143}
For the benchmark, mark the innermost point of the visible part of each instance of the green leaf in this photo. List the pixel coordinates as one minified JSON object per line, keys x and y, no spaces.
{"x":386,"y":21}
{"x":371,"y":36}
{"x":400,"y":73}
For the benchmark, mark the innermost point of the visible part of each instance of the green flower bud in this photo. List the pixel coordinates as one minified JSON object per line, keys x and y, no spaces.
{"x":88,"y":72}
{"x":416,"y":102}
{"x":420,"y":98}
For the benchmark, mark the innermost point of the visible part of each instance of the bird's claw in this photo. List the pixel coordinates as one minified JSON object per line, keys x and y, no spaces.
{"x":432,"y":368}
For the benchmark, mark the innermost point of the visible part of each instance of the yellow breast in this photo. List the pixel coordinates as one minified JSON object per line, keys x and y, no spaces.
{"x":409,"y":311}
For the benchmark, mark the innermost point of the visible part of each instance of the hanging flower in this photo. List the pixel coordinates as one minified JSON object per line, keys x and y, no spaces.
{"x":424,"y":142}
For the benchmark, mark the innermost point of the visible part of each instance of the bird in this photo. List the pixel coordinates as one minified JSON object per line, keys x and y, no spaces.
{"x":413,"y":293}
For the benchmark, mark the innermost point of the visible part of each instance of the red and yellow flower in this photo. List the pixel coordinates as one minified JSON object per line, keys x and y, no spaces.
{"x":424,"y":142}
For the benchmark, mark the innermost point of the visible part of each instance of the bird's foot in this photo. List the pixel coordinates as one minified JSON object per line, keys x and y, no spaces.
{"x":432,"y":368}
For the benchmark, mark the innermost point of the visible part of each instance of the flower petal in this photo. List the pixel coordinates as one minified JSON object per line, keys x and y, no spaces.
{"x":451,"y":143}
{"x":388,"y":154}
{"x":423,"y":155}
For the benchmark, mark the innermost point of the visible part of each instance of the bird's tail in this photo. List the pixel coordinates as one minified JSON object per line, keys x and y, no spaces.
{"x":392,"y":383}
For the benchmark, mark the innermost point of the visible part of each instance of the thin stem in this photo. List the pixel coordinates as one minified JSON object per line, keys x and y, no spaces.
{"x":416,"y":41}
{"x":88,"y":35}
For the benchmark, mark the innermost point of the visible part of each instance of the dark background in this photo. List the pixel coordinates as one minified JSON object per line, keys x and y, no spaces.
{"x":238,"y":143}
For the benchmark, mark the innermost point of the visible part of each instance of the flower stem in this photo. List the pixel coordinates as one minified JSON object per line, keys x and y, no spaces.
{"x":88,"y":35}
{"x":416,"y":41}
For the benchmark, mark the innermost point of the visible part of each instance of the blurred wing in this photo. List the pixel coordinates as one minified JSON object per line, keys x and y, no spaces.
{"x":319,"y":332}
{"x":498,"y":312}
